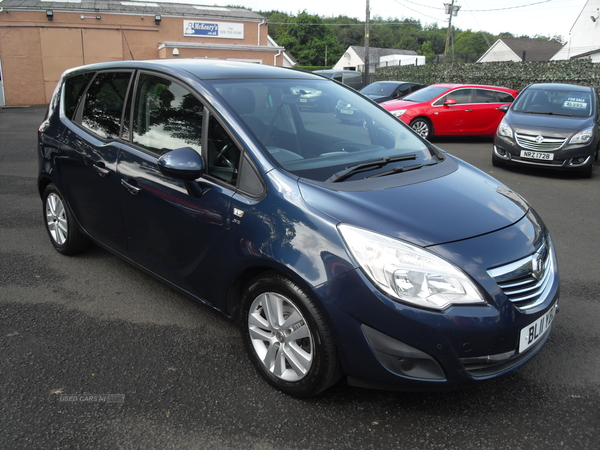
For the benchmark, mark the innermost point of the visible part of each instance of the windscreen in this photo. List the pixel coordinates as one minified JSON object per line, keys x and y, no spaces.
{"x":315,"y":128}
{"x":425,"y":94}
{"x":382,"y":89}
{"x":564,"y":102}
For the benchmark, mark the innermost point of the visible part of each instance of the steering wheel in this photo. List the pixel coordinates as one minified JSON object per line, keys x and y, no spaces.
{"x":221,"y":160}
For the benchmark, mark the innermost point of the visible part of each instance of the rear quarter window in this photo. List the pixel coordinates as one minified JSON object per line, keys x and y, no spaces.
{"x":104,"y":102}
{"x":74,"y":89}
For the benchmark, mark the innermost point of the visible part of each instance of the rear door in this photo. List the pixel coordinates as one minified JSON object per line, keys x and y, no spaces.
{"x":89,"y":152}
{"x":486,"y":108}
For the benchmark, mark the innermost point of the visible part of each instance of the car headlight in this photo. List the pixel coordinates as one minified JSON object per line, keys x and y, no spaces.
{"x":409,"y":273}
{"x":398,"y":112}
{"x":504,"y":129}
{"x":583,"y":137}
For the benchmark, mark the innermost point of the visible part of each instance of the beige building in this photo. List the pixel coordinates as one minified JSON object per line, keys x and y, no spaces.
{"x":41,"y":39}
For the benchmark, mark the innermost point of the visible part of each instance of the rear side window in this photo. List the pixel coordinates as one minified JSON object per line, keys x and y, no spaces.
{"x":504,"y":97}
{"x":74,"y":89}
{"x":104,"y":104}
{"x":166,"y":116}
{"x":485,"y":96}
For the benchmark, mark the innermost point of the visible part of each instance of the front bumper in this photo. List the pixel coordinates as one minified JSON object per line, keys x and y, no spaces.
{"x":391,"y":345}
{"x":568,"y":157}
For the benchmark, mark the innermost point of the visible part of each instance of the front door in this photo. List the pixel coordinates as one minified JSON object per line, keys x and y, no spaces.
{"x":453,"y":118}
{"x":168,"y":231}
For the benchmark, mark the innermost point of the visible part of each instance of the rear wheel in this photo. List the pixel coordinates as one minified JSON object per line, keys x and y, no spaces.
{"x":287,"y":338}
{"x":423,"y":127}
{"x":60,"y":224}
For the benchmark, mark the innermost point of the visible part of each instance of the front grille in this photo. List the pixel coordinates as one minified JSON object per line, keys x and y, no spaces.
{"x":539,"y":143}
{"x":526,"y":282}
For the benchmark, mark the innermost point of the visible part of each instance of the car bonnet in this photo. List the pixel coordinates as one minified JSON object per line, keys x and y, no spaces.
{"x":523,"y":122}
{"x":461,"y":205}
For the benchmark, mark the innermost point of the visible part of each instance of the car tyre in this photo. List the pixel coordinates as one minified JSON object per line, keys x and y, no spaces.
{"x":589,"y":170}
{"x":287,"y":337}
{"x":60,"y":224}
{"x":422,"y":127}
{"x":497,"y":162}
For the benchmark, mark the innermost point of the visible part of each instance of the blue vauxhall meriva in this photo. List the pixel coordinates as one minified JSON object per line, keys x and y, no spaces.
{"x":354,"y":250}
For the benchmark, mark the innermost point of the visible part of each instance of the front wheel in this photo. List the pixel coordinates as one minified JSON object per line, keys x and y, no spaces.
{"x":422,"y":127}
{"x":287,"y":338}
{"x":497,"y":162}
{"x":60,"y":224}
{"x":589,"y":170}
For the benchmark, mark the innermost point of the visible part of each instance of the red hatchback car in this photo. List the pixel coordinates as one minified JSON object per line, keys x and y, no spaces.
{"x":453,"y":109}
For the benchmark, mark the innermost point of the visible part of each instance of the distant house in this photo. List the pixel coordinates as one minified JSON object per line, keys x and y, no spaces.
{"x":513,"y":49}
{"x":354,"y":58}
{"x":584,"y":37}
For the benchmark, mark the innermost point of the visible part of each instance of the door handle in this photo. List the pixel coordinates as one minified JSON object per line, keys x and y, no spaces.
{"x":101,"y":170}
{"x":133,"y":190}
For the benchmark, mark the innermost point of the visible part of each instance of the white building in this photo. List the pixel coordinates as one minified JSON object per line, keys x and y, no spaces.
{"x":354,"y":58}
{"x":584,"y":37}
{"x":520,"y":49}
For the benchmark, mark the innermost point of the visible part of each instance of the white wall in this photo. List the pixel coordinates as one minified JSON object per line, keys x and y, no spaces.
{"x":585,"y":33}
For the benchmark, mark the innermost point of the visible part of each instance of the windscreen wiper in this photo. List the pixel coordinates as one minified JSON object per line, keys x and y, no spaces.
{"x":352,"y":170}
{"x":548,"y":113}
{"x":400,"y":169}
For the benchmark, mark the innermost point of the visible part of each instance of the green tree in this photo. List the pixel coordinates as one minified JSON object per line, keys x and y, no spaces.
{"x":427,"y":50}
{"x":308,"y":39}
{"x":470,"y":42}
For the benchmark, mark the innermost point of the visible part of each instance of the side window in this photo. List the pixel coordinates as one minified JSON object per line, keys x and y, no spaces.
{"x":223,"y":153}
{"x":404,"y":90}
{"x":485,"y":96}
{"x":504,"y":97}
{"x":338,"y":77}
{"x":461,"y":96}
{"x":104,"y":104}
{"x":166,"y":116}
{"x":74,"y":89}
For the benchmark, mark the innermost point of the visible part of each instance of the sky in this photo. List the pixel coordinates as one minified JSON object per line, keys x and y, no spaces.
{"x":519,"y":17}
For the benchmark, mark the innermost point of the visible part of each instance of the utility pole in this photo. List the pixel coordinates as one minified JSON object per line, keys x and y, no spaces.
{"x":452,"y":11}
{"x":367,"y":32}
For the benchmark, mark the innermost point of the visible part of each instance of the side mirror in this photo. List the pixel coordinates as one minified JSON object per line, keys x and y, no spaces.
{"x":450,"y":102}
{"x":183,"y":164}
{"x":504,"y":108}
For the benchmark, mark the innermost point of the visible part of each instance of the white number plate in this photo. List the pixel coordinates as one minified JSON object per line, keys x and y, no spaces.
{"x":346,"y":111}
{"x":537,"y":155}
{"x":534,"y":331}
